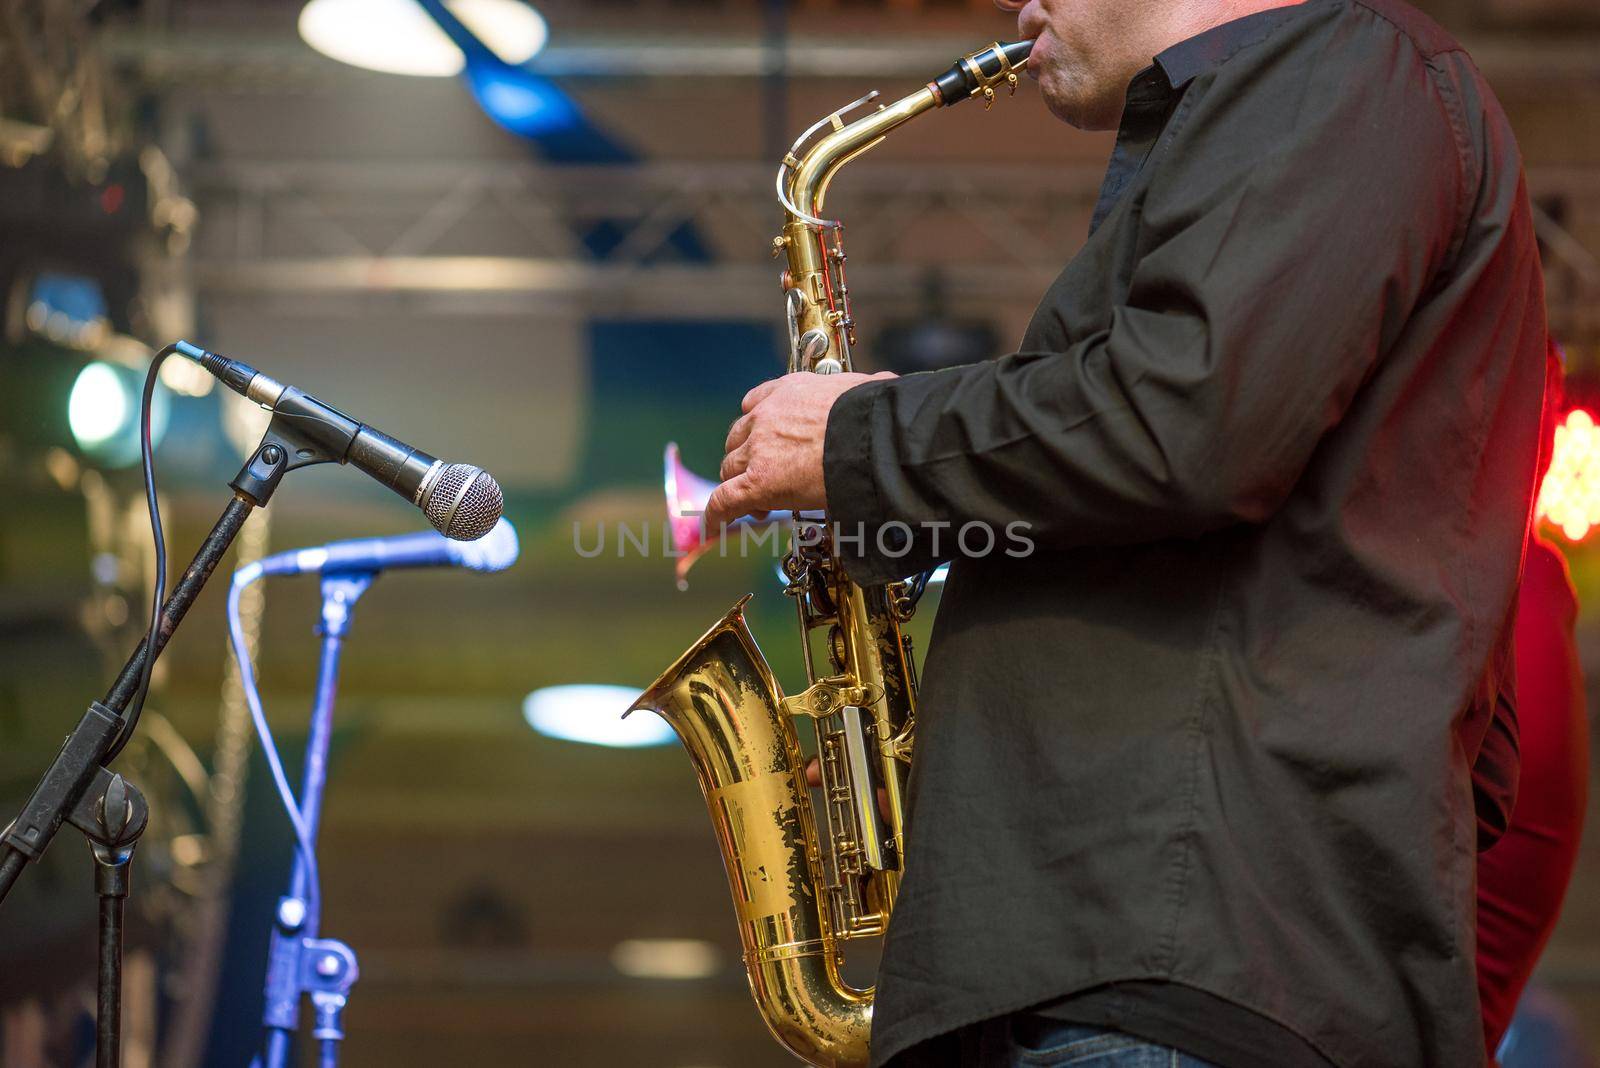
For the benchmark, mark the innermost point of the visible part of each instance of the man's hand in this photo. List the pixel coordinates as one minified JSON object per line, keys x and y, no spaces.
{"x":774,"y":452}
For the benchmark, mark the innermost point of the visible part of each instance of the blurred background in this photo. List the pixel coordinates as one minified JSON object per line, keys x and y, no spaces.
{"x":549,"y":275}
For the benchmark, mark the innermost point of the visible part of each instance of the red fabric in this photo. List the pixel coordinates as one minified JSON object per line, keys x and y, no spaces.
{"x":1523,"y":877}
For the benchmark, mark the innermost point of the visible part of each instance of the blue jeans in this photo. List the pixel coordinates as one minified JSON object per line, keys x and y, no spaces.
{"x":1031,"y":1041}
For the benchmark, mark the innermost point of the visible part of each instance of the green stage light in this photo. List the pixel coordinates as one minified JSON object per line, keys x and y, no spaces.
{"x":103,"y":413}
{"x":99,"y":405}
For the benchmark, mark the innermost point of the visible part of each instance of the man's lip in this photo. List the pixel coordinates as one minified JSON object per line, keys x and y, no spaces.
{"x":1037,"y":38}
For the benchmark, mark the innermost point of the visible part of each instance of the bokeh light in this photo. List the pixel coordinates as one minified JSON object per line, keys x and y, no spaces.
{"x":592,"y":714}
{"x":666,"y":958}
{"x":103,"y":413}
{"x":99,"y":406}
{"x":399,"y":37}
{"x":1569,"y":496}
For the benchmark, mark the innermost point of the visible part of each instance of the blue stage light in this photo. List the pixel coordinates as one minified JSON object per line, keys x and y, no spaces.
{"x":69,"y":310}
{"x":523,"y":103}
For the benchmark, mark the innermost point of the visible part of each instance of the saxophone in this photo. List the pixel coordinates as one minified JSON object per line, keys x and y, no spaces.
{"x":800,"y":898}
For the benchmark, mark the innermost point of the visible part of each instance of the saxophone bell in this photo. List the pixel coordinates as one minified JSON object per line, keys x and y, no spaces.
{"x":723,"y":702}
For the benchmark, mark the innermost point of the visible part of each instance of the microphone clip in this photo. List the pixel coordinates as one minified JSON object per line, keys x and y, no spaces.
{"x":303,"y":432}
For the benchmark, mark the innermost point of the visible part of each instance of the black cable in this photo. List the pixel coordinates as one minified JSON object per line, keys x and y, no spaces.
{"x":147,"y":457}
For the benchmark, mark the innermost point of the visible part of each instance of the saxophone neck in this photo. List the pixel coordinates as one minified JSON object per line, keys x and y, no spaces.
{"x":803,"y":183}
{"x":821,"y":331}
{"x":809,"y":175}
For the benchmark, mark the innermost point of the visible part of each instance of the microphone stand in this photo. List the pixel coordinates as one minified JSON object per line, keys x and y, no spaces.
{"x":299,"y":962}
{"x":111,"y":812}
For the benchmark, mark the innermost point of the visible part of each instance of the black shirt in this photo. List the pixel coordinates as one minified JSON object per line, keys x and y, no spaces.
{"x":1273,"y":432}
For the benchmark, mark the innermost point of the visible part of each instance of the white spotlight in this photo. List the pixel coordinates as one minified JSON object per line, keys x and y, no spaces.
{"x":99,"y":407}
{"x":593,"y":715}
{"x":398,"y":37}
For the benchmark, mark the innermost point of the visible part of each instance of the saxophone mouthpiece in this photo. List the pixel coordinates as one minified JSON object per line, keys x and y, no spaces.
{"x":981,"y":72}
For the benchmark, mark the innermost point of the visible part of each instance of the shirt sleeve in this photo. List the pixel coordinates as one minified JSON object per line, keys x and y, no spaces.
{"x":1292,"y":222}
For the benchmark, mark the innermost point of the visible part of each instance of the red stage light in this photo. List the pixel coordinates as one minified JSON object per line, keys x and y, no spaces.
{"x":1569,"y":496}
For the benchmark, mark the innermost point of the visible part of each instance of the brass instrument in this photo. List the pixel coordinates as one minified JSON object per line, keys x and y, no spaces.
{"x":799,"y":898}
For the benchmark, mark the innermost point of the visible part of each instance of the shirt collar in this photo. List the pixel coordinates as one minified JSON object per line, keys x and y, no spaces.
{"x":1187,"y":60}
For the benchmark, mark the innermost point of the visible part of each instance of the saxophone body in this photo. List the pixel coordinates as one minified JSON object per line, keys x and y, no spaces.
{"x":802,"y":892}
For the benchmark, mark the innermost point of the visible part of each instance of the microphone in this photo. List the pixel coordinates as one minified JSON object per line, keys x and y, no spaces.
{"x":495,"y":551}
{"x":461,"y":501}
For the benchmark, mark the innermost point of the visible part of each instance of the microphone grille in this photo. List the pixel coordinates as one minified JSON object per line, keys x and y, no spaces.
{"x":463,"y":503}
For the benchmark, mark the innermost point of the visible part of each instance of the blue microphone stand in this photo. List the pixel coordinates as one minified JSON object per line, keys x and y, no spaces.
{"x":299,"y":962}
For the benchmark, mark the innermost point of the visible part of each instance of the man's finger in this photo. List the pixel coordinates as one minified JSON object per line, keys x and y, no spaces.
{"x":759,"y":394}
{"x":729,"y":501}
{"x":738,"y":433}
{"x":735,"y":462}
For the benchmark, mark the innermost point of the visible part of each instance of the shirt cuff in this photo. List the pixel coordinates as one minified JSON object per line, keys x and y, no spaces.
{"x":873,"y":552}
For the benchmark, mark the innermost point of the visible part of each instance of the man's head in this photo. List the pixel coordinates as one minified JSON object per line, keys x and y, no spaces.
{"x":1087,"y":51}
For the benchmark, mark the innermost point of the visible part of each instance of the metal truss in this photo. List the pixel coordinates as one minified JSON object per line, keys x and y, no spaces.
{"x":518,"y":230}
{"x":509,"y":237}
{"x":221,"y":60}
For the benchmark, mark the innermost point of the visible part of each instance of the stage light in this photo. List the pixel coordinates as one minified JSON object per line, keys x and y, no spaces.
{"x":67,"y":309}
{"x":398,"y":37}
{"x":666,"y":958}
{"x":522,"y":103}
{"x":99,"y":405}
{"x":1569,"y":496}
{"x":103,"y":413}
{"x":592,"y":714}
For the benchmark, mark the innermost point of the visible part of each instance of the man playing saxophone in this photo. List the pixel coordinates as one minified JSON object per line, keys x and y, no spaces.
{"x":1202,"y":778}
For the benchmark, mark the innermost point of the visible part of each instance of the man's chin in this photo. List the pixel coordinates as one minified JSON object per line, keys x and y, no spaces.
{"x":1077,"y":112}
